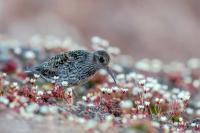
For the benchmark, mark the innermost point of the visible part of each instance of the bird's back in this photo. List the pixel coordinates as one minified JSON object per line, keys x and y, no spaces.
{"x":74,"y":67}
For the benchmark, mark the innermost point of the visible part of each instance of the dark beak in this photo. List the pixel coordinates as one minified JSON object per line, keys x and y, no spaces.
{"x":111,"y":74}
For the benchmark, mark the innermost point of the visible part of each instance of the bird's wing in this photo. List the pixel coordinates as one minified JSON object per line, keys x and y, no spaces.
{"x":50,"y":68}
{"x":63,"y":58}
{"x":45,"y":71}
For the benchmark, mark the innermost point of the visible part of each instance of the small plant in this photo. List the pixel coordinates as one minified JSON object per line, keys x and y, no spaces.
{"x":159,"y":97}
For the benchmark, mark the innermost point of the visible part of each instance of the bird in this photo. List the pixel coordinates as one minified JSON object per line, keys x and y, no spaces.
{"x":73,"y":68}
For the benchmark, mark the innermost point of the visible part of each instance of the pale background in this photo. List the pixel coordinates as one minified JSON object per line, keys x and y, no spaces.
{"x":164,"y":29}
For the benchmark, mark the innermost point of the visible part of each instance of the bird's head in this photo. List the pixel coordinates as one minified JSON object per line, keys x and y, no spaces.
{"x":102,"y":59}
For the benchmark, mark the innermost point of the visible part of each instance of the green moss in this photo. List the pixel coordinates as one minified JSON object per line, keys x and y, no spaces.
{"x":175,"y":118}
{"x":154,"y":109}
{"x":90,"y":84}
{"x":140,"y":127}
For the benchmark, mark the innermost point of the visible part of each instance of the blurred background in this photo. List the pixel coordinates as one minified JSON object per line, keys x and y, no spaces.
{"x":167,"y":30}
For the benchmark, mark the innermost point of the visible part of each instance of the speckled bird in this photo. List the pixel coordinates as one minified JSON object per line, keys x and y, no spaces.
{"x":73,"y":67}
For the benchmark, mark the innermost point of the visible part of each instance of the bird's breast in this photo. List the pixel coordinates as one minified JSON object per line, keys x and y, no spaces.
{"x":77,"y":73}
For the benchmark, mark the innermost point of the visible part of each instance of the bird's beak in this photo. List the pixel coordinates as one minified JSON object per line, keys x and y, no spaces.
{"x":111,"y":74}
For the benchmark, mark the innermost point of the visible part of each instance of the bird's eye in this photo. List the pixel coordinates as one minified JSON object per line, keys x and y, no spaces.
{"x":101,"y":60}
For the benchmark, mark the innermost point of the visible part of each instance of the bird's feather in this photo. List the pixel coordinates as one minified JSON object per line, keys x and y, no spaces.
{"x":54,"y":66}
{"x":67,"y":57}
{"x":74,"y":67}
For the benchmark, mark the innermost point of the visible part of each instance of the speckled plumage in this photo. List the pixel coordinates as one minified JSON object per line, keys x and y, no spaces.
{"x":74,"y":67}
